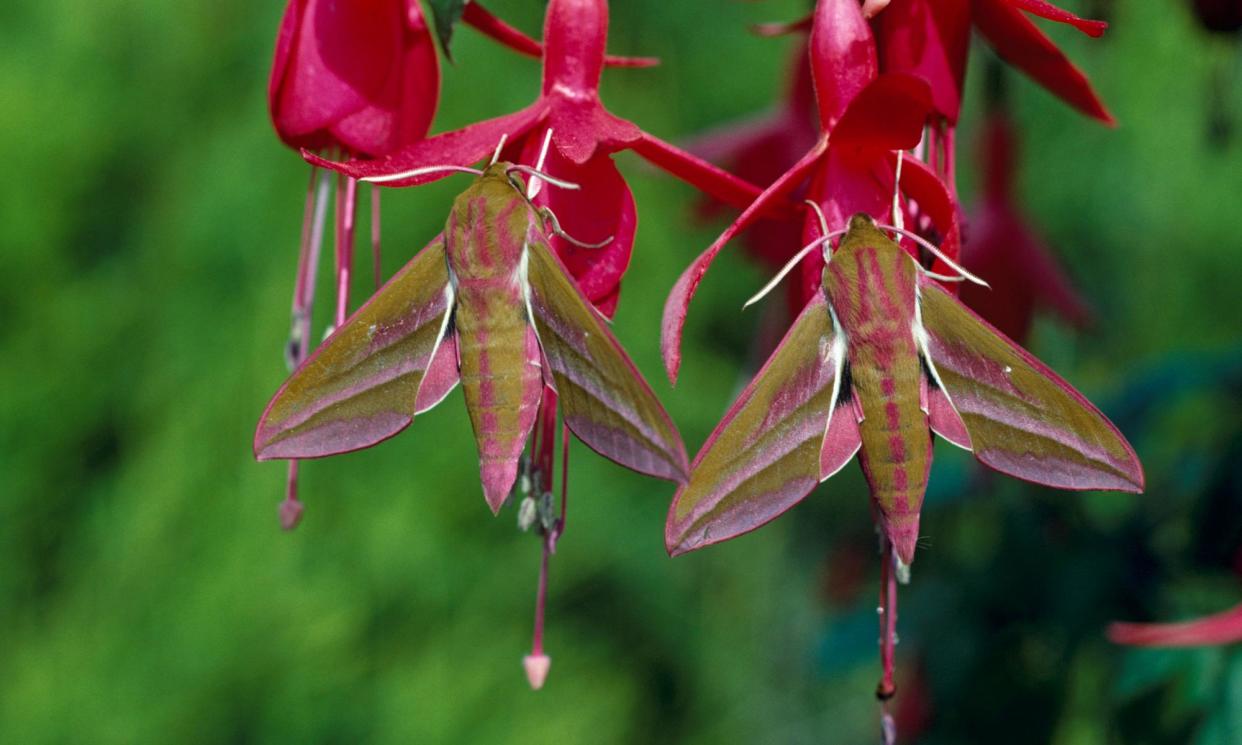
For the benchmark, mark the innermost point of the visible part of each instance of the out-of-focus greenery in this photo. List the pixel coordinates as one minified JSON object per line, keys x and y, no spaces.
{"x":148,"y":229}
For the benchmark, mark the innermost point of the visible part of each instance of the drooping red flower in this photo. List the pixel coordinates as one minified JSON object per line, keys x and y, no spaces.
{"x":864,"y":117}
{"x":1221,"y":628}
{"x":584,"y":137}
{"x":361,"y":76}
{"x":931,"y":38}
{"x":1002,"y":249}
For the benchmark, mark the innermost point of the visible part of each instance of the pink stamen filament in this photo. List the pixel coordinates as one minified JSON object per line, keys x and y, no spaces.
{"x":375,"y":236}
{"x":346,"y":209}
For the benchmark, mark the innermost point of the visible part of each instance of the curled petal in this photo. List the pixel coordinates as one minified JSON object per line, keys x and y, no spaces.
{"x":1222,"y":628}
{"x":1053,"y":13}
{"x":602,"y":208}
{"x":678,"y":302}
{"x":843,"y":57}
{"x":1016,"y":39}
{"x":460,"y":147}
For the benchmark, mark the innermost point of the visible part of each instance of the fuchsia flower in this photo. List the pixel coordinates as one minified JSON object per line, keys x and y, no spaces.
{"x":1221,"y":628}
{"x":1022,"y":272}
{"x":362,"y":79}
{"x":585,"y":135}
{"x":931,"y":38}
{"x":864,"y":118}
{"x":359,"y":76}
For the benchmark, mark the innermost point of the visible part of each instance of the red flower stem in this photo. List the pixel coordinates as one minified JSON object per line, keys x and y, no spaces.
{"x":541,"y":597}
{"x":375,"y":234}
{"x":560,"y":524}
{"x":308,"y":265}
{"x":888,"y":622}
{"x":346,"y":206}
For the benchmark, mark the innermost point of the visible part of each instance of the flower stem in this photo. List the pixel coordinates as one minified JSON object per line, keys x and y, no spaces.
{"x":888,"y":638}
{"x":375,"y":235}
{"x":346,"y":208}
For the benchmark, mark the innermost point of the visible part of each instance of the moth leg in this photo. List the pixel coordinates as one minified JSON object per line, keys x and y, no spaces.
{"x":555,"y":226}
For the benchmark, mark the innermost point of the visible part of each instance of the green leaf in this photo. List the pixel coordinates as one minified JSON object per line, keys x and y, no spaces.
{"x":446,"y":14}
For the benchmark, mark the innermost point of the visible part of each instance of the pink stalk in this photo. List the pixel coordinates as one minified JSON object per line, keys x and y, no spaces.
{"x":537,"y":663}
{"x":375,"y":235}
{"x":290,"y":510}
{"x":346,"y":208}
{"x":888,"y":636}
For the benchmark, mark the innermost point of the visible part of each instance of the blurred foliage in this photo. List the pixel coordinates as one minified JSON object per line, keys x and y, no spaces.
{"x":150,"y":221}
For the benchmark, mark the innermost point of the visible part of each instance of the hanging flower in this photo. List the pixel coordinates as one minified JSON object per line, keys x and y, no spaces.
{"x":570,"y":133}
{"x":1022,"y":272}
{"x":584,"y":137}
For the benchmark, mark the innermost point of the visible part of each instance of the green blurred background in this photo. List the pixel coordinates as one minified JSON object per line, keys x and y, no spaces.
{"x":148,"y":230}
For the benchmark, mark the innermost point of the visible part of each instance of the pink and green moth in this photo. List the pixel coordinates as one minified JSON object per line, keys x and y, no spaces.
{"x":487,"y":304}
{"x":881,"y":358}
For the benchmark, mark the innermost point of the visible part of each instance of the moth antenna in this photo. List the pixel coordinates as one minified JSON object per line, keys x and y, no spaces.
{"x":938,"y":254}
{"x":419,"y":172}
{"x":532,"y":188}
{"x":499,"y":146}
{"x":898,"y":217}
{"x":945,"y":277}
{"x":802,"y":253}
{"x":823,"y":221}
{"x":541,"y":175}
{"x":550,"y":216}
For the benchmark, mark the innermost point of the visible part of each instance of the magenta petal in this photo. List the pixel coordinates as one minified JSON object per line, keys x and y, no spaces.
{"x":889,"y":114}
{"x":843,"y":56}
{"x":1221,"y":628}
{"x":460,"y":147}
{"x":1053,"y":13}
{"x":489,"y":25}
{"x":678,"y":302}
{"x":603,"y":208}
{"x":1020,"y":43}
{"x":579,"y":127}
{"x":285,"y":38}
{"x":715,"y":182}
{"x":341,"y":58}
{"x":920,"y":183}
{"x":403,"y":111}
{"x":930,"y":39}
{"x":842,"y":188}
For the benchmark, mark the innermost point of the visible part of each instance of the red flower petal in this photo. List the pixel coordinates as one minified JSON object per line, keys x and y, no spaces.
{"x":602,"y":208}
{"x":338,"y":61}
{"x":1222,"y":628}
{"x":1053,"y":13}
{"x":889,"y":114}
{"x":678,"y":302}
{"x":489,"y":25}
{"x":579,"y":127}
{"x":930,"y":39}
{"x":460,"y":147}
{"x":702,"y":175}
{"x":843,"y":57}
{"x":402,"y":113}
{"x":1020,"y":43}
